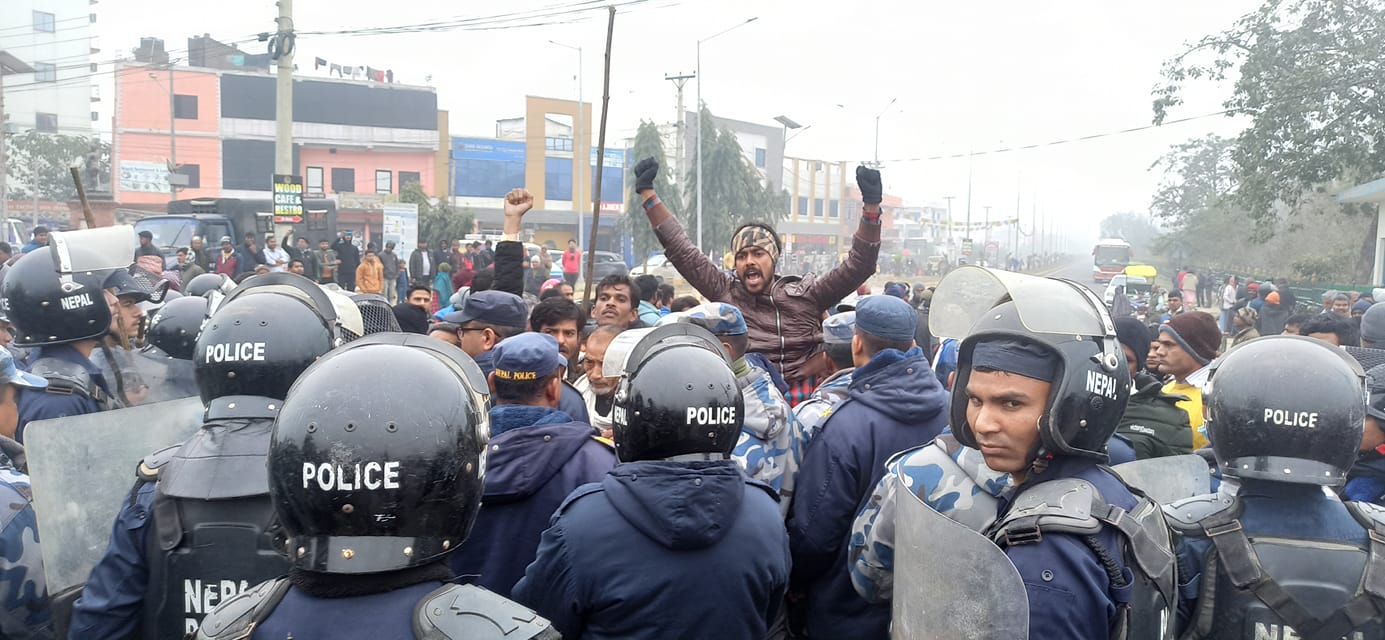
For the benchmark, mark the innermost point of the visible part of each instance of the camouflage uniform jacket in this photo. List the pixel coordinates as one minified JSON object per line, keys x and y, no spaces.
{"x":814,"y":411}
{"x":23,"y":590}
{"x":952,"y":479}
{"x":770,"y":448}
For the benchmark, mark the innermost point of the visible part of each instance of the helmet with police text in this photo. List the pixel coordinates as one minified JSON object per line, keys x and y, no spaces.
{"x":208,"y":282}
{"x":1044,"y":328}
{"x":676,"y":397}
{"x":1287,"y":409}
{"x":372,"y":473}
{"x":263,"y":336}
{"x":174,"y":328}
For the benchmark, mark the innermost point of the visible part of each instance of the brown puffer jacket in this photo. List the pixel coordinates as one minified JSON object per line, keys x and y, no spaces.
{"x":786,"y":324}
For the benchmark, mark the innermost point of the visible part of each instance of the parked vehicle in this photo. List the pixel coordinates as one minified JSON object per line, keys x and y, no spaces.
{"x":659,"y":266}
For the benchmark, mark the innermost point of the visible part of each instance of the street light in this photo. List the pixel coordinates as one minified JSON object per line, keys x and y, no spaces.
{"x":577,"y":137}
{"x":877,"y":130}
{"x":699,"y":119}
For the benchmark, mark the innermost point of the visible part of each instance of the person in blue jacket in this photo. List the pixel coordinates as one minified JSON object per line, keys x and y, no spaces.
{"x":537,"y":456}
{"x":894,"y":403}
{"x":487,"y":318}
{"x":675,"y":542}
{"x":369,"y":520}
{"x":1366,"y":481}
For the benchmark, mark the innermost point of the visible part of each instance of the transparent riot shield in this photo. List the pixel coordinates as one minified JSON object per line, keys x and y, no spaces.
{"x":94,"y":250}
{"x":1045,"y":305}
{"x":952,"y":582}
{"x":81,"y":469}
{"x":1168,"y":479}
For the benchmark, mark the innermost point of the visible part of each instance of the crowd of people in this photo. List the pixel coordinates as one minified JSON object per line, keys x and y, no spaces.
{"x":760,"y":461}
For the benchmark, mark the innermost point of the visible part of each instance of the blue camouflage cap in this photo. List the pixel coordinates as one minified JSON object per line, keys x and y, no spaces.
{"x":10,"y":373}
{"x":719,"y":318}
{"x":897,"y":289}
{"x":838,"y":328}
{"x":527,"y":356}
{"x":886,"y":317}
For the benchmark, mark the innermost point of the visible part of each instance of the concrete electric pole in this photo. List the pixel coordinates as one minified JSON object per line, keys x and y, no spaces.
{"x":678,"y":127}
{"x":282,"y":49}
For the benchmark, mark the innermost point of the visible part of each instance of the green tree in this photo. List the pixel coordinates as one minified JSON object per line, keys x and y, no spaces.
{"x":735,"y":192}
{"x":437,"y":219}
{"x":648,"y":144}
{"x":1307,"y":73}
{"x":1136,"y":228}
{"x":38,"y":163}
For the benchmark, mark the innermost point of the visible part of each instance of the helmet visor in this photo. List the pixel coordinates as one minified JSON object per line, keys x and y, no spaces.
{"x":104,"y":249}
{"x":1044,"y":305}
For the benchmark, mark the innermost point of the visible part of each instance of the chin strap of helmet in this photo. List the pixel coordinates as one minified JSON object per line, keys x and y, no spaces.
{"x":699,"y":457}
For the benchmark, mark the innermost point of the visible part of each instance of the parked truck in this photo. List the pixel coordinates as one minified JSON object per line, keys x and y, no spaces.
{"x":214,"y":218}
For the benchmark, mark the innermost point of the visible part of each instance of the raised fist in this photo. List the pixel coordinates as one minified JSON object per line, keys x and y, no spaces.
{"x":518,"y":202}
{"x":645,"y":172}
{"x":868,"y":180}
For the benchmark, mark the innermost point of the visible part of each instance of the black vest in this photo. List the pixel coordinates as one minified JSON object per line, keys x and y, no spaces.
{"x":211,"y":535}
{"x":1275,"y":587}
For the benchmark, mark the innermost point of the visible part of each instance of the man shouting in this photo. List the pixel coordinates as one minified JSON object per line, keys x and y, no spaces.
{"x":783,"y":313}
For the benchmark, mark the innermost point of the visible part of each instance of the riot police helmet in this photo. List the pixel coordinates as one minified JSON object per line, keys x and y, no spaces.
{"x":49,"y":307}
{"x":676,"y":398}
{"x":208,"y":282}
{"x":260,"y":338}
{"x":174,"y":328}
{"x":1060,"y":322}
{"x":1287,"y":409}
{"x":370,"y":474}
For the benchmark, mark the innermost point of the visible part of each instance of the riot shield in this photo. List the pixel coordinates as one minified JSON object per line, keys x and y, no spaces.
{"x":951,"y":582}
{"x":1045,"y":305}
{"x":81,"y":469}
{"x":1168,"y":479}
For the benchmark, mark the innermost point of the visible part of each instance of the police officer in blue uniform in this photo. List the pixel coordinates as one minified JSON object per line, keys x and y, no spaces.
{"x":1366,"y":481}
{"x":23,"y":597}
{"x":1279,"y":557}
{"x":196,"y":527}
{"x":375,"y":481}
{"x":675,"y":541}
{"x":61,"y":315}
{"x":1040,"y":387}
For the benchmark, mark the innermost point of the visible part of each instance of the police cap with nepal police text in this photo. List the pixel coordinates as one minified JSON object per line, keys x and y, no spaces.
{"x":527,"y":356}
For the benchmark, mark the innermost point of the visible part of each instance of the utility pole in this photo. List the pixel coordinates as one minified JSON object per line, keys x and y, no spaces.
{"x":986,"y":235}
{"x":949,"y":222}
{"x":172,"y":134}
{"x":282,"y":46}
{"x":678,"y":127}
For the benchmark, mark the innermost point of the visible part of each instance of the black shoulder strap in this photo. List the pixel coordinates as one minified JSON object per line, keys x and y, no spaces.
{"x":1243,"y":568}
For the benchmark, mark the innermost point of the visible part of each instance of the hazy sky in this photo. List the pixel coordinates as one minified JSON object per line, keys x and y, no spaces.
{"x":966,"y":75}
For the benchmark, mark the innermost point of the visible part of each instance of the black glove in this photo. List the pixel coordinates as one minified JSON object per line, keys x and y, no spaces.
{"x":645,"y":172}
{"x":868,"y":180}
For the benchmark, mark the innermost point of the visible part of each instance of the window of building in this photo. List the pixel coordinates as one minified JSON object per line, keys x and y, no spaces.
{"x":194,"y":174}
{"x":406,"y":177}
{"x":832,"y":210}
{"x":46,"y":122}
{"x":760,"y":158}
{"x":817,"y":207}
{"x":487,"y":178}
{"x":557,"y":179}
{"x":384,"y":181}
{"x":558,"y":144}
{"x":343,"y":180}
{"x":93,"y":67}
{"x":185,"y":107}
{"x":45,"y":72}
{"x":802,"y":206}
{"x":43,"y":21}
{"x":315,"y":180}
